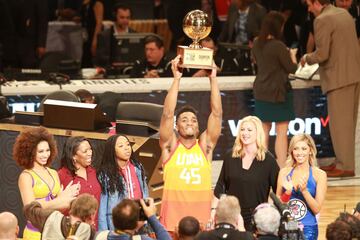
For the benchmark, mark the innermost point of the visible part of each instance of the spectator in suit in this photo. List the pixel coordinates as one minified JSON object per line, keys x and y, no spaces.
{"x":338,"y":54}
{"x":107,"y":39}
{"x":155,"y":63}
{"x":354,"y":10}
{"x":243,"y":22}
{"x":9,"y":228}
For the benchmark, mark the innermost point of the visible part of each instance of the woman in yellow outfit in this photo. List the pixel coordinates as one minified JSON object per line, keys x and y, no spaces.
{"x":34,"y":150}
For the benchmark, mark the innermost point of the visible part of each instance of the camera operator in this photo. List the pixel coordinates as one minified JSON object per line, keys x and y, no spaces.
{"x":229,"y":224}
{"x":126,"y":219}
{"x":266,"y":220}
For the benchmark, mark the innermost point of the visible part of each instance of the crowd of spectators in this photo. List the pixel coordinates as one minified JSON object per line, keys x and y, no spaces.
{"x":24,"y":32}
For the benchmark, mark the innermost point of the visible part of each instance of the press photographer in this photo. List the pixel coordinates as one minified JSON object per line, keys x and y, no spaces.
{"x":126,"y":219}
{"x":266,"y":221}
{"x":229,"y":224}
{"x":289,"y":228}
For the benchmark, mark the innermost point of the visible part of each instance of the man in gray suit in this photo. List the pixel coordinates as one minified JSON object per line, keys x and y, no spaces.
{"x":338,"y":54}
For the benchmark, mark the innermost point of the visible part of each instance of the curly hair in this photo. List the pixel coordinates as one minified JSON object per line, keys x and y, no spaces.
{"x":24,"y":151}
{"x":108,"y":174}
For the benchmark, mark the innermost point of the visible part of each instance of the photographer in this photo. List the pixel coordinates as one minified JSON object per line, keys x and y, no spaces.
{"x":266,"y":221}
{"x":229,"y":223}
{"x":127,"y":220}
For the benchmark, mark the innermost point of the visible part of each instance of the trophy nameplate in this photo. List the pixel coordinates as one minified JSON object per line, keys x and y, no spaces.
{"x":196,"y":58}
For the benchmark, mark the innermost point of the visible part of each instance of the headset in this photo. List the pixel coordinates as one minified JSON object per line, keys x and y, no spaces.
{"x":58,"y":78}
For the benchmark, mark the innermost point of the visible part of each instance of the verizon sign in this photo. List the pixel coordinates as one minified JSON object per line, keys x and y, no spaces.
{"x":312,"y":126}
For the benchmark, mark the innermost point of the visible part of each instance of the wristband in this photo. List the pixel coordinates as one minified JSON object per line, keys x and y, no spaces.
{"x":285,"y":197}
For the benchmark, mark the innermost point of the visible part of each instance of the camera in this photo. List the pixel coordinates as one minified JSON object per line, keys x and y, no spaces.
{"x":142,"y":215}
{"x":289,"y":227}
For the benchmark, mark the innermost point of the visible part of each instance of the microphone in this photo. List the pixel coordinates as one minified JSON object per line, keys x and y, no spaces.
{"x":283,"y":208}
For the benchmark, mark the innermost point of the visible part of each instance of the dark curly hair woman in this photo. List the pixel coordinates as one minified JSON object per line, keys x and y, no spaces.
{"x":34,"y":150}
{"x":120,"y":177}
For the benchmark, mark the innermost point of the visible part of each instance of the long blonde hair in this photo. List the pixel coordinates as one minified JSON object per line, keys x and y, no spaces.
{"x":309,"y":141}
{"x":238,"y":148}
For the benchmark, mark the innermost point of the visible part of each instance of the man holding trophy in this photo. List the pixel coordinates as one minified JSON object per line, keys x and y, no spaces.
{"x":186,"y":155}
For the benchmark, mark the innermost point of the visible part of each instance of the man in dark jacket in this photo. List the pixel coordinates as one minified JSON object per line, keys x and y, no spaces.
{"x":106,"y":39}
{"x":229,"y":223}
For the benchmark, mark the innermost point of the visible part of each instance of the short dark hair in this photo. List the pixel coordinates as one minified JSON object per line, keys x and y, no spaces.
{"x":352,"y":221}
{"x":124,"y":220}
{"x":338,"y":230}
{"x":189,"y":227}
{"x":186,"y":108}
{"x":84,"y":95}
{"x":154,"y":39}
{"x":118,"y":6}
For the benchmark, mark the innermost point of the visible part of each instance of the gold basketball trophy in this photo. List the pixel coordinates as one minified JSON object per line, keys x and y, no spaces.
{"x":197,"y":26}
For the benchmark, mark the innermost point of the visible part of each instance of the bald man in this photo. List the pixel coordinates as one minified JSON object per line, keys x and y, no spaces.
{"x":9,"y":227}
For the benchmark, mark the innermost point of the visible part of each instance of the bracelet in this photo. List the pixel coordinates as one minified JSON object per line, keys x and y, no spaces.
{"x":213,"y":208}
{"x":285,"y":197}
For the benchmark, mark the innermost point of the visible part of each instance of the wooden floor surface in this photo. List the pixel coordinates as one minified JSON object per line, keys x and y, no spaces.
{"x":335,"y":199}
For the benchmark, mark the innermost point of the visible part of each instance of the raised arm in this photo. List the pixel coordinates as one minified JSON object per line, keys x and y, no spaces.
{"x":213,"y":130}
{"x":167,"y":119}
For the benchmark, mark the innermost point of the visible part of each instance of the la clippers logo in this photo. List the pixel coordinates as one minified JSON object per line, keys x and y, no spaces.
{"x":297,"y":208}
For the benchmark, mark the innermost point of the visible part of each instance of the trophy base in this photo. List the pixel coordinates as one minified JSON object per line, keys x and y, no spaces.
{"x":196,"y":58}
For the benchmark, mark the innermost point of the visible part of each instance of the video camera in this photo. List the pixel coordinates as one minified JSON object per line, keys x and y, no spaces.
{"x":289,"y":227}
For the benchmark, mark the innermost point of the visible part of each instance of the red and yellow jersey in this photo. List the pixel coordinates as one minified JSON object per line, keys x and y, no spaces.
{"x":187,"y":186}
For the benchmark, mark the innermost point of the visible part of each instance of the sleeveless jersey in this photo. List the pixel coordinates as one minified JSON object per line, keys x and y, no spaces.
{"x":41,"y":191}
{"x":187,"y":186}
{"x":297,"y":204}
